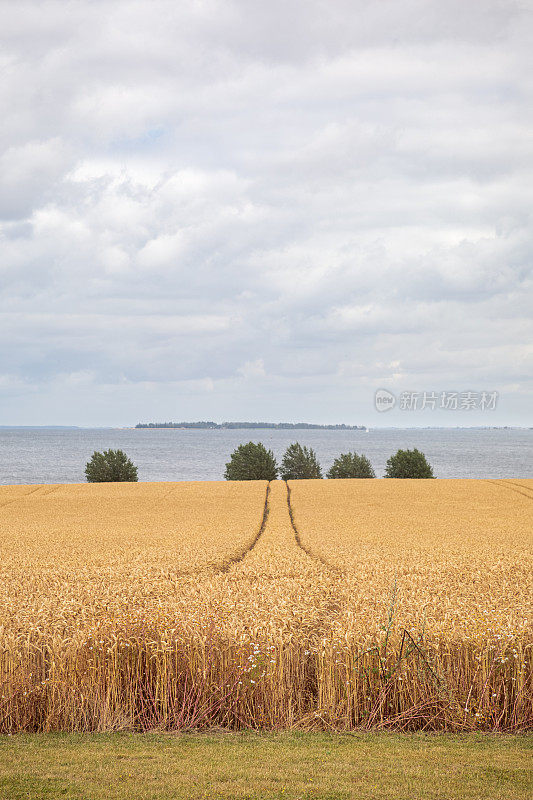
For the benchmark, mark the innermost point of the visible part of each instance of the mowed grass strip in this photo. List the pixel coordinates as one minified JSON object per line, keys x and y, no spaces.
{"x":291,"y":766}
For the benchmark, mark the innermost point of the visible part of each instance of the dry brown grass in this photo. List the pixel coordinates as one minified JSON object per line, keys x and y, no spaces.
{"x":390,"y":603}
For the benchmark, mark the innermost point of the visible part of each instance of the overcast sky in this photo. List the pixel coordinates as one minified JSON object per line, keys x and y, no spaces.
{"x":264,"y":210}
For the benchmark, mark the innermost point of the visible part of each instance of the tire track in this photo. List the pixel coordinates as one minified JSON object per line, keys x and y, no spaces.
{"x":22,"y":496}
{"x":53,"y":489}
{"x":505,"y":485}
{"x":301,"y":545}
{"x":230,"y":562}
{"x":225,"y":566}
{"x":516,"y":483}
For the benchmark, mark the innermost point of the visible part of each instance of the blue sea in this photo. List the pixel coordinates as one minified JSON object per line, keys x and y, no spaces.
{"x":52,"y":455}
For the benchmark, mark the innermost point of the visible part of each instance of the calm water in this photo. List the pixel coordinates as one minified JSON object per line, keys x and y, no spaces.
{"x":59,"y":456}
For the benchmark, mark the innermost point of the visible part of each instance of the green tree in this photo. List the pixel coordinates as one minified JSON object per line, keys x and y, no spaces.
{"x":111,"y":465}
{"x":351,"y":465}
{"x":408,"y":464}
{"x":251,"y":462}
{"x":300,"y":462}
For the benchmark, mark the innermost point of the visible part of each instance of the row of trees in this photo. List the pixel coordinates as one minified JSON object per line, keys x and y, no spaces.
{"x":252,"y":462}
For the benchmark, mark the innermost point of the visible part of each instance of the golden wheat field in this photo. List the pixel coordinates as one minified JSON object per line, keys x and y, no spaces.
{"x":330,"y":604}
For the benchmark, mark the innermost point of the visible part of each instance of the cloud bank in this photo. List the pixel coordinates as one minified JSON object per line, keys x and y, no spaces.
{"x":264,"y":211}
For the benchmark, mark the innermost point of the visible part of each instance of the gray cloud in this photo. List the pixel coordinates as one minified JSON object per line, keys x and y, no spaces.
{"x":252,"y":210}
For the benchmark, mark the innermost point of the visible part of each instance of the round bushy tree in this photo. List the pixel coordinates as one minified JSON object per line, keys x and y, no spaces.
{"x":408,"y":464}
{"x":351,"y":465}
{"x":110,"y":466}
{"x":300,"y":462}
{"x":251,"y":462}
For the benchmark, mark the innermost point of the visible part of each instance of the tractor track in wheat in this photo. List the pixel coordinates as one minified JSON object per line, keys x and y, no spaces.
{"x":505,"y":485}
{"x":233,"y":560}
{"x":298,"y":538}
{"x":32,"y":491}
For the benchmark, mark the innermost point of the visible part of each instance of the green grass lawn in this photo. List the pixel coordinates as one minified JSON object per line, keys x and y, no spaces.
{"x":284,"y":765}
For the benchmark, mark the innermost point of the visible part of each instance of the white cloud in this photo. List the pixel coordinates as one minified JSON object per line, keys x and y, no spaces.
{"x":30,"y":173}
{"x":253,"y":370}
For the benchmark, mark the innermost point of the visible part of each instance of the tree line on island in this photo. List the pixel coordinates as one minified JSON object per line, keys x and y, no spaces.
{"x":253,"y":462}
{"x":279,"y":426}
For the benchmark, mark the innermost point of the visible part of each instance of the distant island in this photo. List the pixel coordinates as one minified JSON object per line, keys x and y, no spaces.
{"x":281,"y":426}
